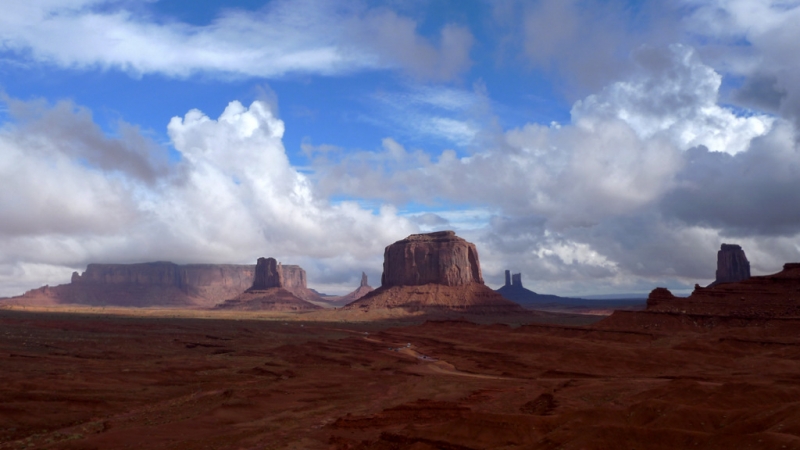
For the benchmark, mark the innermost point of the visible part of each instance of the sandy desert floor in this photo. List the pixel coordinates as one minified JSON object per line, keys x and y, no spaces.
{"x":97,"y":381}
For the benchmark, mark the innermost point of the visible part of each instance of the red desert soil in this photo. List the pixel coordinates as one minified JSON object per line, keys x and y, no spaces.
{"x":92,"y":381}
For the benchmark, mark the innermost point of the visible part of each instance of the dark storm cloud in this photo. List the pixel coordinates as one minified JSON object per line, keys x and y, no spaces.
{"x":753,"y":192}
{"x":71,"y":130}
{"x":761,"y":92}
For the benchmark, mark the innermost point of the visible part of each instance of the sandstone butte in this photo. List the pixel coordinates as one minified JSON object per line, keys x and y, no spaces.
{"x":433,"y":272}
{"x":732,"y":265}
{"x":145,"y":285}
{"x":275,"y":288}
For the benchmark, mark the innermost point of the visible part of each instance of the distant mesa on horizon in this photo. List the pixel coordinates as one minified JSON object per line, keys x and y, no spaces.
{"x":152,"y":284}
{"x":163,"y":284}
{"x":433,"y":272}
{"x":514,"y":290}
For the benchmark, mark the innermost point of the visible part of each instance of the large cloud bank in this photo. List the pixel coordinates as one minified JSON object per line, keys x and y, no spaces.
{"x":71,"y":195}
{"x":643,"y":184}
{"x":683,"y":133}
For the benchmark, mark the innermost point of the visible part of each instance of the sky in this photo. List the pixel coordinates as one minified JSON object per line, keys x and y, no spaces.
{"x":595,"y":146}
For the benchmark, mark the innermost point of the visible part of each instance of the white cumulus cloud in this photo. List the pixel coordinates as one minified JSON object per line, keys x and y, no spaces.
{"x":308,"y":36}
{"x":233,"y":197}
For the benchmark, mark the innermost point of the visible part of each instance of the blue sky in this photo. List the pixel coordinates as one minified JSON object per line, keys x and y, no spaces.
{"x":594,"y":146}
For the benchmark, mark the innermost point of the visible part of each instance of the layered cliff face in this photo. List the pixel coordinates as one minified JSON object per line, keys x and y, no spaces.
{"x":771,"y":296}
{"x":732,"y":265}
{"x":433,"y":272}
{"x":440,"y":258}
{"x":147,"y":284}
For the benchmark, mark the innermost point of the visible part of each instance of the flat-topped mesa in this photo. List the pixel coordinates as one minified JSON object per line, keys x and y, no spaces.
{"x":434,"y":273}
{"x":149,"y":284}
{"x":160,"y":273}
{"x":433,"y":258}
{"x":732,"y":265}
{"x":516,"y":279}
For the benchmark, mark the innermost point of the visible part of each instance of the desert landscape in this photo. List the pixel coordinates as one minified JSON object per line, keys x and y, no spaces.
{"x":432,"y":359}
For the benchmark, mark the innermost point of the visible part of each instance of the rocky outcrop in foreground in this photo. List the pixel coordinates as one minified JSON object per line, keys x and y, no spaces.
{"x":145,"y":285}
{"x":771,"y":296}
{"x":275,"y":288}
{"x":732,"y":265}
{"x":433,"y":272}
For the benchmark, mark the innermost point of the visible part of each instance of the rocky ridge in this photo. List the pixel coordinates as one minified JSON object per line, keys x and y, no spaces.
{"x":770,"y":296}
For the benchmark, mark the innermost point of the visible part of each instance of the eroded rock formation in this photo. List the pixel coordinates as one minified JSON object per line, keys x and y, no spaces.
{"x":771,"y":296}
{"x":270,"y":273}
{"x":433,"y":272}
{"x":439,"y":258}
{"x":363,"y":289}
{"x":267,"y":275}
{"x":514,"y":291}
{"x":732,"y":265}
{"x":275,"y":288}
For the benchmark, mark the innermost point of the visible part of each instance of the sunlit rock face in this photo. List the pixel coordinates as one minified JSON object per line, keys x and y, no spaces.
{"x":432,"y":258}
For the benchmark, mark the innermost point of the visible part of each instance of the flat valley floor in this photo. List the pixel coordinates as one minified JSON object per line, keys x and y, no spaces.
{"x":94,"y":381}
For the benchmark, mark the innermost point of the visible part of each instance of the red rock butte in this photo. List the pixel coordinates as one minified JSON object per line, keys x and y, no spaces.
{"x":433,"y":272}
{"x":440,"y":257}
{"x":275,"y":288}
{"x":732,"y":265}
